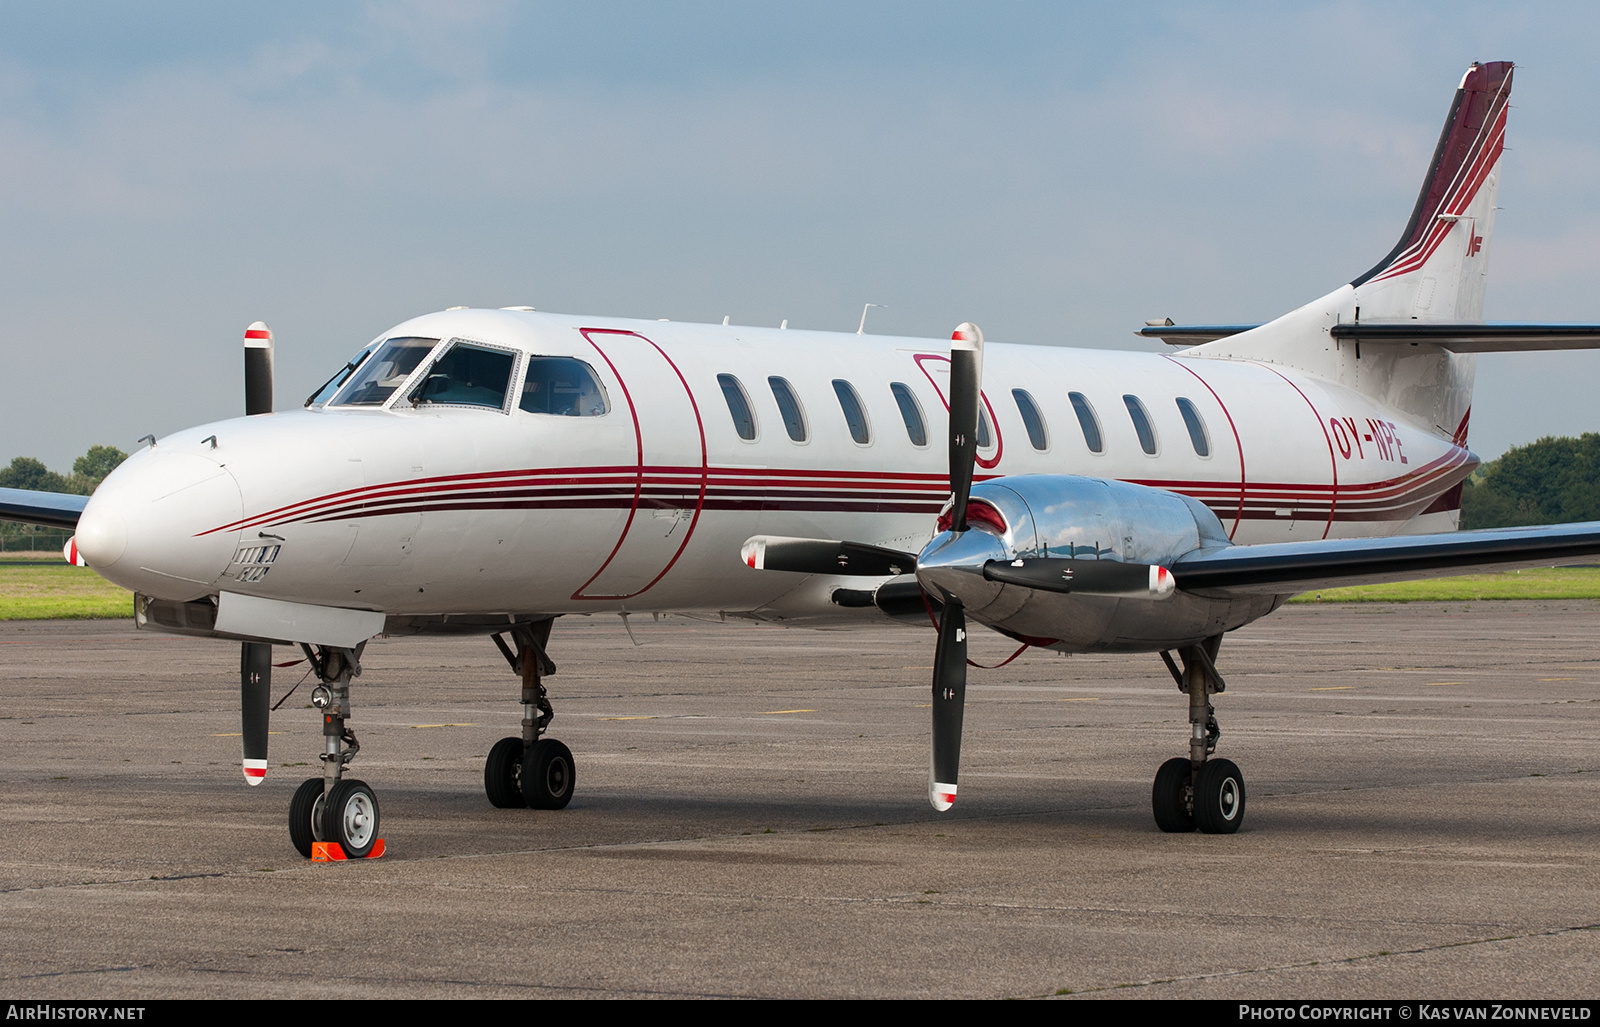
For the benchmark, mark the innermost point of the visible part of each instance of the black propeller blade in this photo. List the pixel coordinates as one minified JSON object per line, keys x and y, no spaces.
{"x":1085,"y":577}
{"x":255,"y":658}
{"x":255,"y":695}
{"x":950,"y":658}
{"x":258,"y":369}
{"x":966,"y":392}
{"x":821,"y":556}
{"x":949,"y":700}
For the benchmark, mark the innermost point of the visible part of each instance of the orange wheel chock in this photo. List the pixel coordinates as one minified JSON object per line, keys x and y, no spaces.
{"x":332,"y":852}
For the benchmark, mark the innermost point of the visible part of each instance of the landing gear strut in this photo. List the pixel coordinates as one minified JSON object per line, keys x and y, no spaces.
{"x":330,"y":808}
{"x":1199,"y":791}
{"x":530,"y":771}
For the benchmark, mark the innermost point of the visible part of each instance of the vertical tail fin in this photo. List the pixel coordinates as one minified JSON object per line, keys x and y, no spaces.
{"x":1437,"y":269}
{"x":1436,"y":272}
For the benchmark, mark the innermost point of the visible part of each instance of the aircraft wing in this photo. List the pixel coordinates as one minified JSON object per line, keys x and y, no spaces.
{"x":47,"y":509}
{"x":1287,"y":568}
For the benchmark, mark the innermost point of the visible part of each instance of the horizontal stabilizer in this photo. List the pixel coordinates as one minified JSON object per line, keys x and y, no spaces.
{"x":1473,"y":336}
{"x":1286,"y":568}
{"x":1191,"y":335}
{"x":47,"y":509}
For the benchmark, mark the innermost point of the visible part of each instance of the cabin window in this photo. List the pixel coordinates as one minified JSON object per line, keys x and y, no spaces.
{"x":384,"y":371}
{"x":910,"y":413}
{"x":854,"y":415}
{"x":985,"y":432}
{"x":744,"y":420}
{"x":1087,"y":421}
{"x":1141,"y":424}
{"x":1196,"y":426}
{"x":1031,"y":419}
{"x":467,"y":376}
{"x":563,"y":386}
{"x":794,"y":415}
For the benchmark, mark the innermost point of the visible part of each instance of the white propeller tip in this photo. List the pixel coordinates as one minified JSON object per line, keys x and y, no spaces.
{"x":255,"y":772}
{"x":942,"y":796}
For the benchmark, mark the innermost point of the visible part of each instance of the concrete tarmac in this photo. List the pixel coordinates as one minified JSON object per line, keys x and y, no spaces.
{"x":1423,"y":819}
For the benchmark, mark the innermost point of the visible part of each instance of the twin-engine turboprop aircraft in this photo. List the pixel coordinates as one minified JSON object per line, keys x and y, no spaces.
{"x":487,"y":471}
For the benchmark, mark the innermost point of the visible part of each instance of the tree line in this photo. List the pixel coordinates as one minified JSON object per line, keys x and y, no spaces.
{"x":1552,"y":481}
{"x":27,"y":473}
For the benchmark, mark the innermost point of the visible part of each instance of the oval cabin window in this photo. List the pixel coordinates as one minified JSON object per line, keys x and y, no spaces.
{"x":1141,"y":424}
{"x":1088,"y":421}
{"x":1197,"y":427}
{"x":744,"y":420}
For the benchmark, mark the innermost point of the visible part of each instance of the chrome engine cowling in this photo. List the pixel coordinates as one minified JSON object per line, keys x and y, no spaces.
{"x":1066,"y":516}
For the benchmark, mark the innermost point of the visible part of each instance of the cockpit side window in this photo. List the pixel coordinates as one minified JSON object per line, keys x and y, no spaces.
{"x":331,"y":386}
{"x":563,"y":386}
{"x":467,"y":375}
{"x":383,"y":372}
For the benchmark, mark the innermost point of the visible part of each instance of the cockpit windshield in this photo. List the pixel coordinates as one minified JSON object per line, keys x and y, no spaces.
{"x":329,"y":387}
{"x":467,"y":375}
{"x":384,"y":371}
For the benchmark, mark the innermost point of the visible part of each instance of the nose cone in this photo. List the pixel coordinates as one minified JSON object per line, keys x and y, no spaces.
{"x":952,"y":565}
{"x":156,"y":525}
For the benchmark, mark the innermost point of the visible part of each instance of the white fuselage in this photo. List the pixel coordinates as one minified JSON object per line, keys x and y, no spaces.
{"x":459,"y":510}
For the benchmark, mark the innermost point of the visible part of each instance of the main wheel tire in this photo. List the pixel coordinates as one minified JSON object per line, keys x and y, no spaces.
{"x":1219,"y":797}
{"x":1171,"y":799}
{"x":305,"y":816}
{"x":548,"y":775}
{"x":350,"y":817}
{"x":502,"y":774}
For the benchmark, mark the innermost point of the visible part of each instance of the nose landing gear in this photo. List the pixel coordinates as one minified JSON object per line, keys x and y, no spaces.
{"x":1199,"y":791}
{"x":530,"y":771}
{"x":337,"y":813}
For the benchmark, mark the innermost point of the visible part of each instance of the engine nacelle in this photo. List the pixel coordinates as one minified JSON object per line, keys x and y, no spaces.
{"x":1071,"y":517}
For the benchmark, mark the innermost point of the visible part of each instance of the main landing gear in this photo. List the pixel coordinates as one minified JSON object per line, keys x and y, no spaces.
{"x":530,"y":771}
{"x":332,"y":808}
{"x":1199,"y":791}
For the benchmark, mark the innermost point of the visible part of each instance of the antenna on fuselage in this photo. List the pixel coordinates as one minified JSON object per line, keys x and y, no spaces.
{"x":861,"y":329}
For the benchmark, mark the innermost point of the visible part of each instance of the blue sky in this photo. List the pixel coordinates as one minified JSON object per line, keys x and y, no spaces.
{"x":171,"y":172}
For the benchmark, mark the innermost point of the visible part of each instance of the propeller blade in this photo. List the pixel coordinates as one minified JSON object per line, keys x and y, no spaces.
{"x":1084,"y":577}
{"x":966,"y":393}
{"x":255,"y":695}
{"x":258,"y":368}
{"x":255,"y":658}
{"x":949,"y":698}
{"x":821,"y":556}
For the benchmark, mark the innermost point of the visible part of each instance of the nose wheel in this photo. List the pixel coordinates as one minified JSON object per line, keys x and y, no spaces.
{"x":331,"y":817}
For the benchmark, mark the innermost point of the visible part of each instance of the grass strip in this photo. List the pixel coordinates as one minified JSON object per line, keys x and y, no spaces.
{"x":39,"y":590}
{"x":1537,"y":583}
